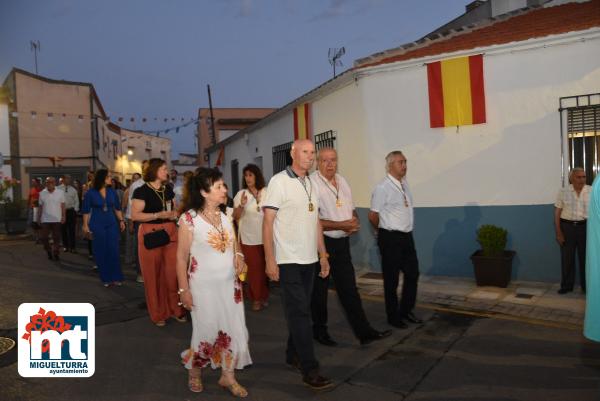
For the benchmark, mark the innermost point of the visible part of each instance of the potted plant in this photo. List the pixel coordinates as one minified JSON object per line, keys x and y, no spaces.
{"x":15,"y":220}
{"x":492,"y":263}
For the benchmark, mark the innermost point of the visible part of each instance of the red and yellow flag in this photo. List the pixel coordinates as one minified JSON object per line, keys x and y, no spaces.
{"x":456,"y":95}
{"x":302,"y":122}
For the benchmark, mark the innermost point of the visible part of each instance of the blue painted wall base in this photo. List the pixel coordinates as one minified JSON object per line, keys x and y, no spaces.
{"x":446,"y":237}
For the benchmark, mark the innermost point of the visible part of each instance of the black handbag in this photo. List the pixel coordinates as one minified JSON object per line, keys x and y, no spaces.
{"x":156,"y":239}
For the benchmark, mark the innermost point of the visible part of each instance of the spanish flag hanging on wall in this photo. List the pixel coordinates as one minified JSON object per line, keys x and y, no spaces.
{"x":456,"y":95}
{"x":302,"y":122}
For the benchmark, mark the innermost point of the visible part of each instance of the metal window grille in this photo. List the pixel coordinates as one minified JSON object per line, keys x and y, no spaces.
{"x":582,"y":115}
{"x":281,"y":153}
{"x":281,"y":157}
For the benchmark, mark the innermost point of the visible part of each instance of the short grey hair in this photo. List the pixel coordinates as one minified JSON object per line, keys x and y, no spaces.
{"x":390,"y":157}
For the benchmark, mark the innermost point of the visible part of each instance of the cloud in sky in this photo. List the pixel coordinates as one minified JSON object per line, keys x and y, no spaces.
{"x":341,"y":8}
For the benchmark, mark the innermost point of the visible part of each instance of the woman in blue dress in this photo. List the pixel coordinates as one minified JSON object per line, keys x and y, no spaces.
{"x":102,"y":220}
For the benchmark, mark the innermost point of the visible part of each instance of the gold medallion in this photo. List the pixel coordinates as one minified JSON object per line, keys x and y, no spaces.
{"x":258,"y":208}
{"x":338,"y":203}
{"x":311,"y":207}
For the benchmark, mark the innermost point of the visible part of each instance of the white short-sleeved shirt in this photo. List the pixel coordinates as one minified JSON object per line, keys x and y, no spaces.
{"x":250,"y":226}
{"x":51,"y":205}
{"x":71,"y":197}
{"x":393,"y":201}
{"x":134,"y":185}
{"x":573,"y":207}
{"x":328,"y":209}
{"x":295,"y":227}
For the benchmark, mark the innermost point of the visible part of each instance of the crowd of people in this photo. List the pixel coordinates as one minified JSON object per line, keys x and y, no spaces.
{"x":199,"y":253}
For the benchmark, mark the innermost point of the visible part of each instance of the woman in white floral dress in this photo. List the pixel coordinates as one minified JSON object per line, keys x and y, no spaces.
{"x":207,"y":270}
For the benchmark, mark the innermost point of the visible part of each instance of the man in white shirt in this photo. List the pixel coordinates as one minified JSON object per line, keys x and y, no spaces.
{"x":51,"y":214}
{"x":339,"y":220}
{"x":71,"y":209}
{"x":570,"y":217}
{"x":392,"y":216}
{"x":294,"y":247}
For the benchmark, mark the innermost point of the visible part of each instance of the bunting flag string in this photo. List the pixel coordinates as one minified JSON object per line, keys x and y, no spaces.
{"x":54,"y":116}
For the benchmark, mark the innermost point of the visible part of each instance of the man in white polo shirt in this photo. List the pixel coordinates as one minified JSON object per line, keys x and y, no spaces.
{"x":392,"y":216}
{"x":339,"y":220}
{"x":293,"y":243}
{"x":51,"y":214}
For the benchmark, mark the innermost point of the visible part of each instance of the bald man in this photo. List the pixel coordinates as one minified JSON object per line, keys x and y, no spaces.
{"x":294,"y":251}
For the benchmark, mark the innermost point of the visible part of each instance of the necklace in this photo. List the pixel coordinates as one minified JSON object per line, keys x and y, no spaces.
{"x":161,"y":195}
{"x":338,"y":201}
{"x":104,"y":205}
{"x":401,"y":189}
{"x":256,"y":198}
{"x":311,"y":207}
{"x":222,"y":245}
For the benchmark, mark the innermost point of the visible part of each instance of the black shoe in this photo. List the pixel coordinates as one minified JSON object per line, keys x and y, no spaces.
{"x":325,"y":339}
{"x":49,"y":255}
{"x":56,"y":257}
{"x":412,"y":318}
{"x":399,"y":324}
{"x":374,"y":336}
{"x":317,"y":382}
{"x":293,"y":363}
{"x":563,"y":291}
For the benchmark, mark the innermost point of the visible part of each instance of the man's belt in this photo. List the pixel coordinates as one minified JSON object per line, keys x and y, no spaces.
{"x":574,"y":222}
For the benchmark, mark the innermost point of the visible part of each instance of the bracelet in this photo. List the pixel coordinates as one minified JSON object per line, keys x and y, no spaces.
{"x":324,"y":255}
{"x":240,"y":254}
{"x":181,"y":290}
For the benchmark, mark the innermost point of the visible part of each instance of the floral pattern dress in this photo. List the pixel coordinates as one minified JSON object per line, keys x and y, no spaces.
{"x":219,"y":335}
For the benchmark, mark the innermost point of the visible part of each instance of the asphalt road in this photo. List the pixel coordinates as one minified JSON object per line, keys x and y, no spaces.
{"x":450,"y":357}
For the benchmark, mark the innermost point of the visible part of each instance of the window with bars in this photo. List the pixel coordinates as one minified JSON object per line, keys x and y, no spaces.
{"x":583,"y":133}
{"x":281,"y":153}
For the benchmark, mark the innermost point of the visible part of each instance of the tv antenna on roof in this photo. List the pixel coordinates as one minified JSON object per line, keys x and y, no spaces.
{"x":334,"y":56}
{"x":35,"y":48}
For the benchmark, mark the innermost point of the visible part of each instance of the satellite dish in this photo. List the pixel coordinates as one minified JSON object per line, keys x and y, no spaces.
{"x":334,"y":55}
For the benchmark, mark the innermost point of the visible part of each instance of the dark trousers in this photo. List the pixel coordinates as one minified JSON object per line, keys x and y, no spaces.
{"x":575,"y":237}
{"x":398,"y":254}
{"x":54,"y":229}
{"x":136,"y":257}
{"x":68,"y":229}
{"x":344,"y":278}
{"x":296,"y":282}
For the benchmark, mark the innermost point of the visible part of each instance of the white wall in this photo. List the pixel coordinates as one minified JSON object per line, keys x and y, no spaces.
{"x":342,"y":111}
{"x":512,"y":159}
{"x":264,"y":139}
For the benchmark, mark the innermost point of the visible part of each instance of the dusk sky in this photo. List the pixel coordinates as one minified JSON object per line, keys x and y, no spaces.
{"x":154,"y":58}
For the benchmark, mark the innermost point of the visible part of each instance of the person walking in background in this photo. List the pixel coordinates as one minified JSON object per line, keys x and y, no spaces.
{"x":86,"y":187}
{"x":591,"y":326}
{"x":207,"y":272}
{"x":32,"y":204}
{"x":570,"y":215}
{"x":133,"y":226}
{"x":153,"y":208}
{"x":248,"y":213}
{"x":392,"y":215}
{"x":339,"y":220}
{"x":51,"y":214}
{"x":69,"y":228}
{"x":102,"y":221}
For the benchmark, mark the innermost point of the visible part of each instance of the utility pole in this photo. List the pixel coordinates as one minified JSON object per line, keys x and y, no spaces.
{"x":213,"y":134}
{"x":35,"y":47}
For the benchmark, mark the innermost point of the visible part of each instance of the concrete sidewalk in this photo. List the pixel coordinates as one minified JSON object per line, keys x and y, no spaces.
{"x":536,"y":302}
